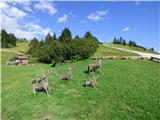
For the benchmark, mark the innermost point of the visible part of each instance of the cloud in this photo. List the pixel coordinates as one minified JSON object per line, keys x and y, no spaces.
{"x":11,"y":11}
{"x":46,"y":6}
{"x":137,"y":3}
{"x":62,"y":18}
{"x":26,"y":4}
{"x":98,"y":15}
{"x":72,"y":14}
{"x":36,"y":29}
{"x":13,"y":20}
{"x":83,"y":21}
{"x":125,"y":29}
{"x":14,"y":12}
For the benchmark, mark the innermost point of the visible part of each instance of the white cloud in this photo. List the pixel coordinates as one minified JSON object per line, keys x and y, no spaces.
{"x":98,"y":15}
{"x":14,"y":12}
{"x":102,"y":13}
{"x":25,"y":4}
{"x":46,"y":6}
{"x":13,"y":20}
{"x":3,"y":5}
{"x":11,"y":11}
{"x":62,"y":18}
{"x":83,"y":21}
{"x":125,"y":29}
{"x":137,"y":3}
{"x":36,"y":29}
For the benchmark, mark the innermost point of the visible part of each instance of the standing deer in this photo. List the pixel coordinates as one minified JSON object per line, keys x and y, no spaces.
{"x":94,"y":67}
{"x":40,"y":83}
{"x":68,"y":75}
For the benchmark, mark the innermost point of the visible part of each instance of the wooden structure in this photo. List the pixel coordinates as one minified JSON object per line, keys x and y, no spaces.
{"x":23,"y":59}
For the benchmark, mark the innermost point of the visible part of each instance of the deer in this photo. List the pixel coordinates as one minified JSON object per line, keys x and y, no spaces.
{"x":40,"y":83}
{"x":91,"y":82}
{"x":67,"y":76}
{"x":94,"y":67}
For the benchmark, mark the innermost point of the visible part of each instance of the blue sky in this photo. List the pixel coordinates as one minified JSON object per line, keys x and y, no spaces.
{"x":138,"y":21}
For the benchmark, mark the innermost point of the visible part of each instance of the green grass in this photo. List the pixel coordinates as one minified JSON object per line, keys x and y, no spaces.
{"x":21,"y":46}
{"x":106,"y":51}
{"x":132,"y":48}
{"x":126,"y":90}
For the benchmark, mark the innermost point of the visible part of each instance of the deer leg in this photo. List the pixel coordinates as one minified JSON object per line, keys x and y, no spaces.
{"x":34,"y":91}
{"x":88,"y":69}
{"x":47,"y":91}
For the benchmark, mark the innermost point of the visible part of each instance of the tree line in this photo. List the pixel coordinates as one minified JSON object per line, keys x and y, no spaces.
{"x":7,"y":40}
{"x":122,"y":41}
{"x":55,"y":49}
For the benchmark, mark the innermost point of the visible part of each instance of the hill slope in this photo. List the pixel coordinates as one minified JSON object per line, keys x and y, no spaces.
{"x":125,"y":90}
{"x":130,"y":48}
{"x":104,"y":51}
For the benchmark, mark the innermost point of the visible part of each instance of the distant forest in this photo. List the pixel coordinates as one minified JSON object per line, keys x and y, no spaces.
{"x":7,"y":40}
{"x":122,"y":41}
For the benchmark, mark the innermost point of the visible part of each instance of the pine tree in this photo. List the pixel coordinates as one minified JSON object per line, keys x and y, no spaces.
{"x":48,"y":38}
{"x":66,"y":36}
{"x":7,"y":40}
{"x":115,"y":40}
{"x":54,"y":36}
{"x":124,"y":42}
{"x":120,"y":40}
{"x":77,"y":37}
{"x":88,"y":35}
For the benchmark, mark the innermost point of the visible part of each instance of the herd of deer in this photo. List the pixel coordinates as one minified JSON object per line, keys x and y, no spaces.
{"x":40,"y":82}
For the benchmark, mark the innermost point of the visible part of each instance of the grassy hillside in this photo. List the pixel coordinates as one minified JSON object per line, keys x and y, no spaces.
{"x":107,"y":51}
{"x":131,"y":48}
{"x":125,"y":90}
{"x":9,"y":53}
{"x":21,"y":46}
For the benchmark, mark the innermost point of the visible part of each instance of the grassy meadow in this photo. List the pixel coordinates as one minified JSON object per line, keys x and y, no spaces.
{"x":127,"y":47}
{"x":126,"y":90}
{"x":21,"y":46}
{"x":107,"y":51}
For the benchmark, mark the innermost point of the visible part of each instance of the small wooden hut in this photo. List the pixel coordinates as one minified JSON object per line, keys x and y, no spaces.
{"x":23,"y":59}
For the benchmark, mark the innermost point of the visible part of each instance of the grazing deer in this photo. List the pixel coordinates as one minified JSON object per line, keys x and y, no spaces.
{"x":40,"y":83}
{"x":68,"y":75}
{"x":94,"y":67}
{"x":91,"y":82}
{"x":16,"y":62}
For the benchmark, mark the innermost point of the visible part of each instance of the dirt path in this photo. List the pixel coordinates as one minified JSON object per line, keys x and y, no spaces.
{"x":142,"y":54}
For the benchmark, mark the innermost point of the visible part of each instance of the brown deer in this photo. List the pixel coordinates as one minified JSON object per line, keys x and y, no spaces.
{"x":40,"y":83}
{"x":67,"y":76}
{"x":94,"y":67}
{"x":91,"y":82}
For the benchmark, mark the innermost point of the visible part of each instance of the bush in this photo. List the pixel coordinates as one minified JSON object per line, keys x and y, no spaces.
{"x":64,"y":49}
